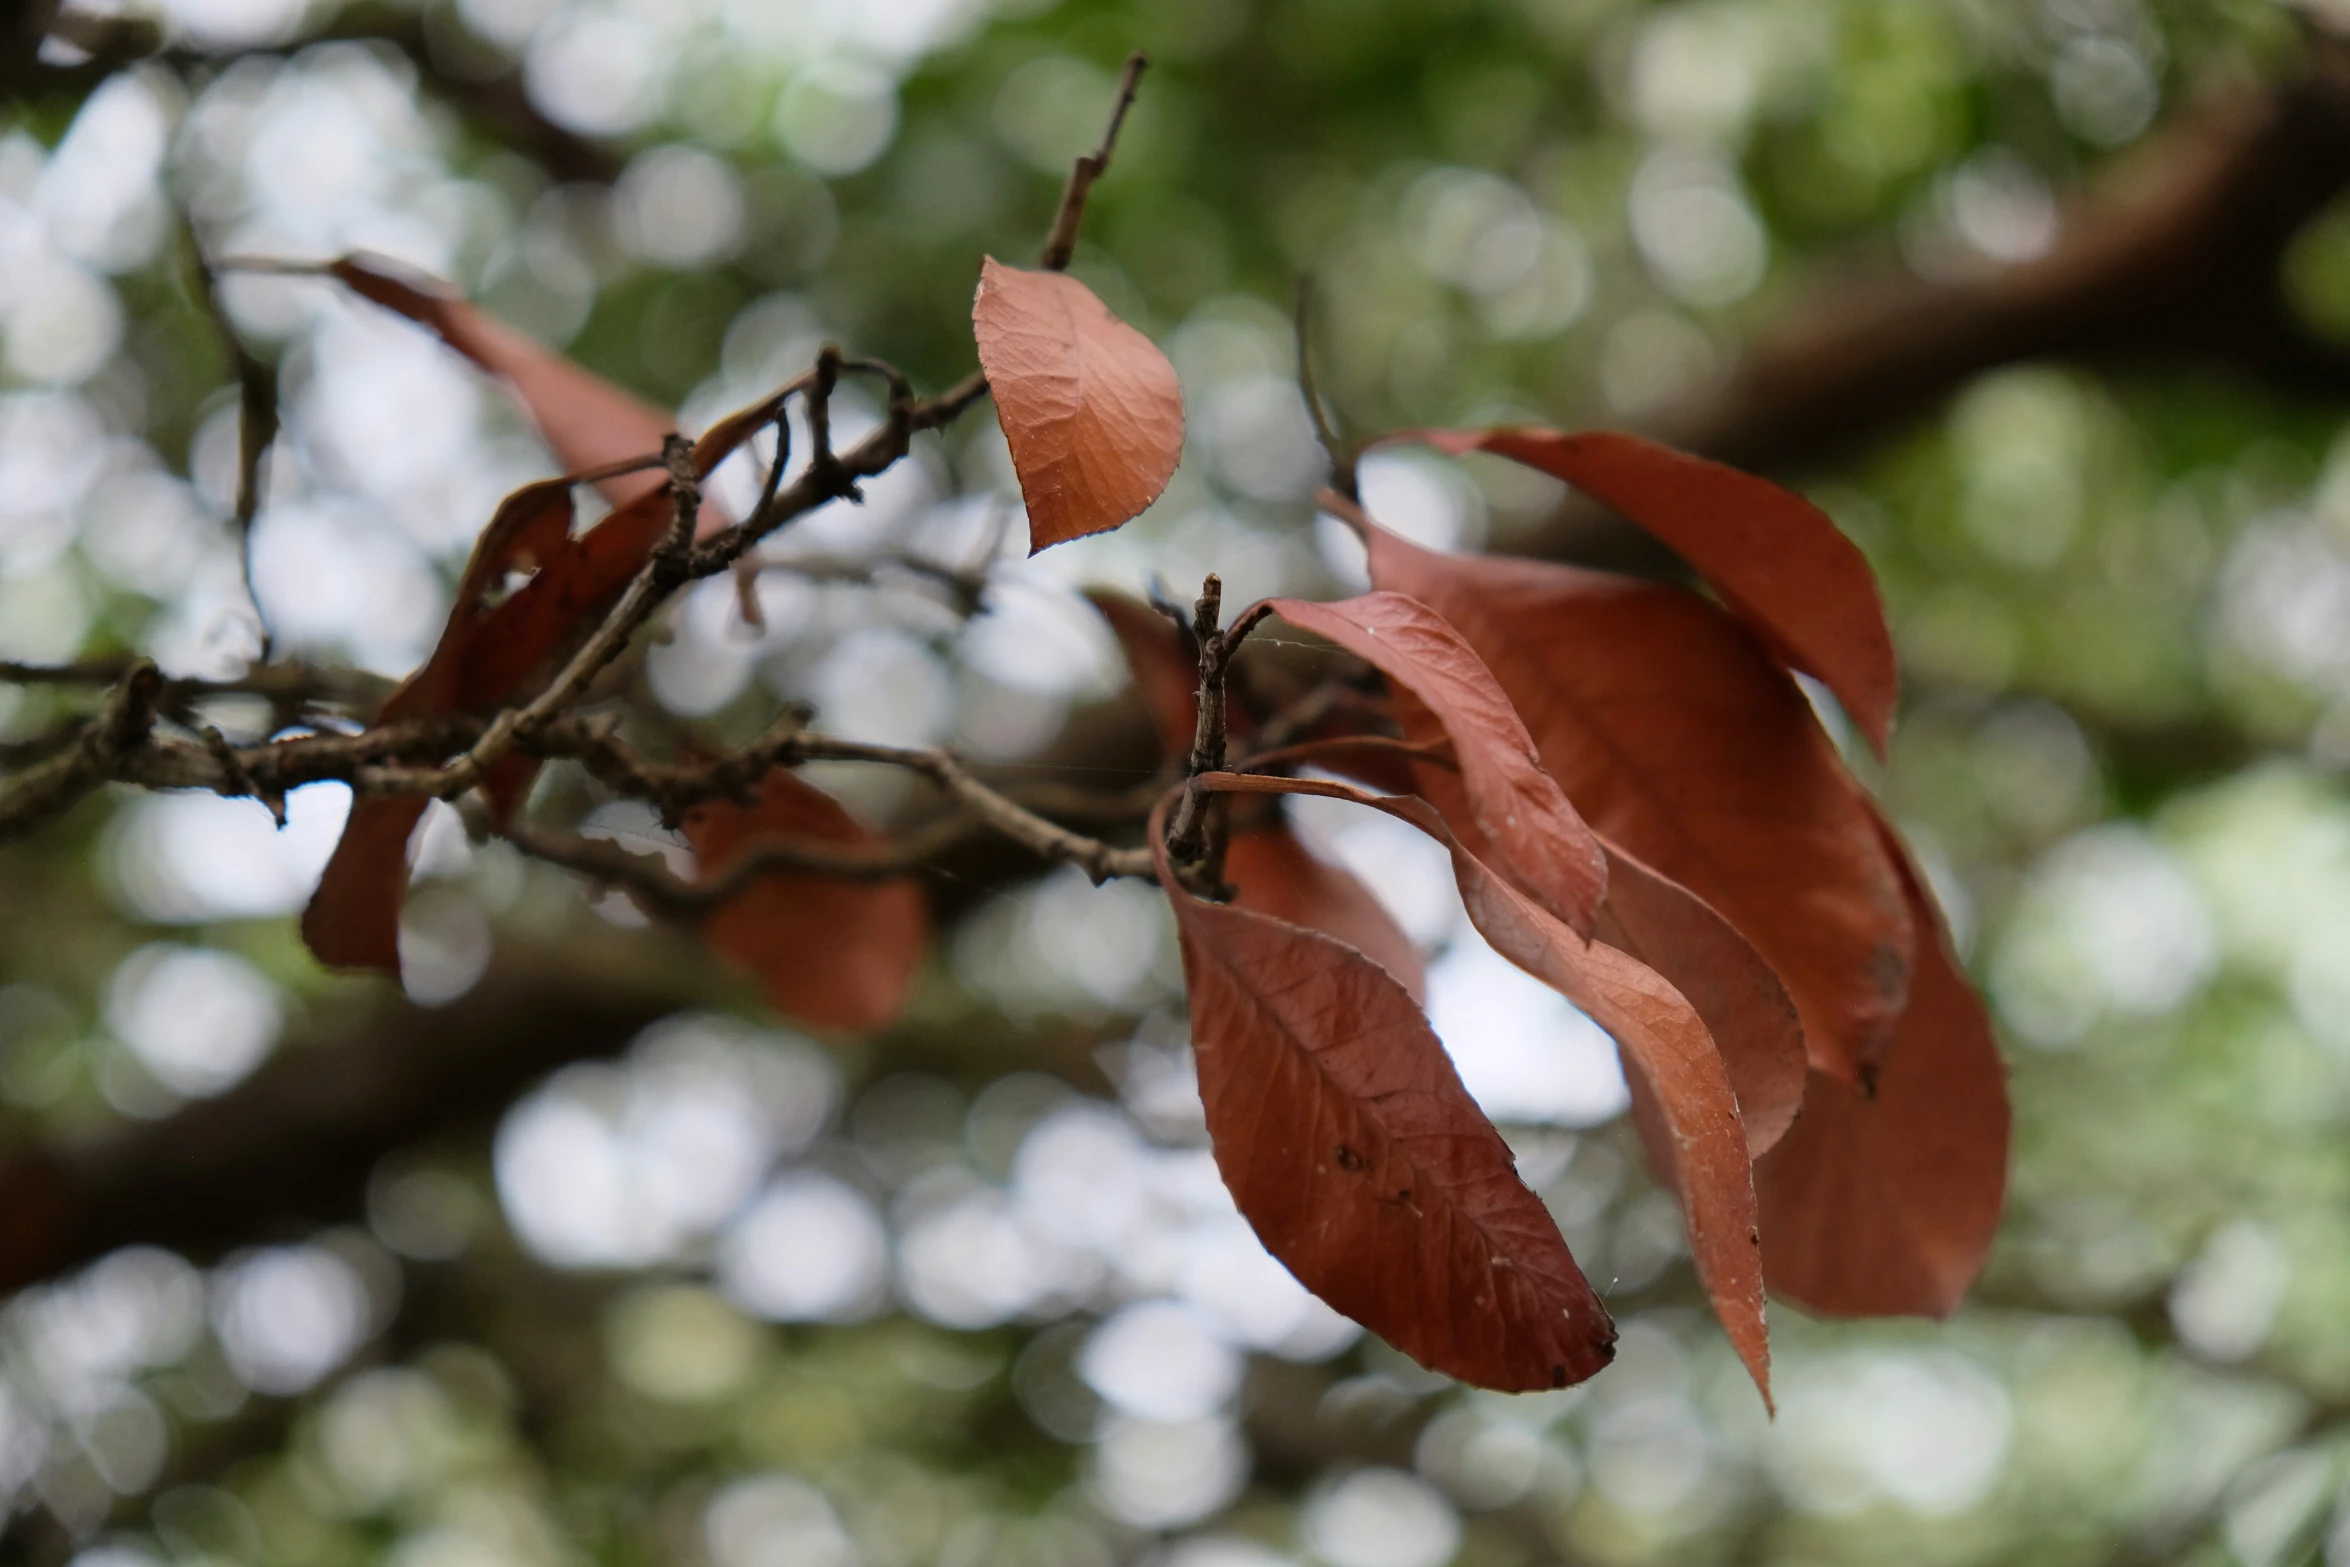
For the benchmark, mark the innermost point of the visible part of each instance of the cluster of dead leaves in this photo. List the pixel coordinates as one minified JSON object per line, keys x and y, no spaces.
{"x":1640,"y":805}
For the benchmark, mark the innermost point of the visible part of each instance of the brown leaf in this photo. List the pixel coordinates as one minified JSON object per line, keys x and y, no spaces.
{"x":1773,"y":556}
{"x":1657,"y":920}
{"x":1277,"y":874}
{"x":1885,"y":1203}
{"x":484,"y":659}
{"x":1165,"y":667}
{"x":1533,"y":834}
{"x":1361,"y":1162}
{"x":1661,"y":1036}
{"x":1681,"y":741}
{"x":586,"y":419}
{"x":1746,"y":1009}
{"x":353,"y":919}
{"x":1090,"y":406}
{"x":829,"y":951}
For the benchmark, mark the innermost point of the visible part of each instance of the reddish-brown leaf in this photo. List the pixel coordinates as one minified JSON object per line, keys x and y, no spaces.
{"x":1361,"y":1162}
{"x":1748,"y":1012}
{"x":485,"y":657}
{"x":1525,"y":822}
{"x":1090,"y":406}
{"x":1682,"y":741}
{"x":1278,"y":875}
{"x":829,"y":951}
{"x":1661,"y":1036}
{"x":353,"y":919}
{"x":1165,"y":666}
{"x":586,"y":419}
{"x":1884,"y":1203}
{"x":1657,"y":920}
{"x":1773,"y":556}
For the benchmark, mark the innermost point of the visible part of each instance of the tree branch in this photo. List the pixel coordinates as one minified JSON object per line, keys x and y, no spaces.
{"x":1061,"y":243}
{"x":2173,"y":260}
{"x":118,"y":731}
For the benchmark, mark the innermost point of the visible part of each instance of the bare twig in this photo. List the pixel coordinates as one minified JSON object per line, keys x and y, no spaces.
{"x":964,"y":585}
{"x":1061,"y":243}
{"x":54,"y":786}
{"x":658,"y":890}
{"x":40,"y":747}
{"x":1342,"y":455}
{"x":257,"y":419}
{"x":1189,"y":835}
{"x":288,"y":684}
{"x":999,"y":812}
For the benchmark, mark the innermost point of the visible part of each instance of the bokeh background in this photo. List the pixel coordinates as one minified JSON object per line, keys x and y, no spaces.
{"x":633,"y":1272}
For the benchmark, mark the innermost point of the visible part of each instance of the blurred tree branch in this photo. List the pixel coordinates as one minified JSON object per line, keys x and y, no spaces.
{"x":2172,"y":260}
{"x":294,"y":1144}
{"x":492,"y":102}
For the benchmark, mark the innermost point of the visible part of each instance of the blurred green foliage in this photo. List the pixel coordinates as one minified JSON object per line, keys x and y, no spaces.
{"x":2123,"y":607}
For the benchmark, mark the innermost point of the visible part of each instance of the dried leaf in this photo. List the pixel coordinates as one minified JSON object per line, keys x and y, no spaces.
{"x":484,"y":659}
{"x":1277,"y":874}
{"x":353,"y":919}
{"x":829,"y":951}
{"x":1165,"y":666}
{"x":1680,"y":740}
{"x":1884,"y":1203}
{"x":1360,"y":1161}
{"x":1662,"y":1037}
{"x":1524,"y":820}
{"x":1657,"y":920}
{"x":586,"y":419}
{"x":1090,"y":406}
{"x":1753,"y":1022}
{"x":1773,"y":556}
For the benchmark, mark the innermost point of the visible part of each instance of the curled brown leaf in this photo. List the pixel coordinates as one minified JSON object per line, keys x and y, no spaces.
{"x":1091,"y":408}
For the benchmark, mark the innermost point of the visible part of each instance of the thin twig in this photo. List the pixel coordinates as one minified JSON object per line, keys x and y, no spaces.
{"x":257,"y":416}
{"x":965,"y":586}
{"x":1061,"y":243}
{"x":289,"y":683}
{"x":661,"y":891}
{"x":1342,"y":455}
{"x":1006,"y":817}
{"x":386,"y":760}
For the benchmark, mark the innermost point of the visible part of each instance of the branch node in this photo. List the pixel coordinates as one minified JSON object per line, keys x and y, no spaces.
{"x":242,"y":776}
{"x":1189,"y":839}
